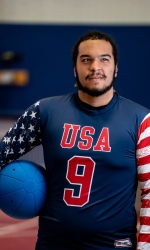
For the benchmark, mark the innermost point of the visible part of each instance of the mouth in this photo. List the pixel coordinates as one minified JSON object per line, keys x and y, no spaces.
{"x":96,"y":77}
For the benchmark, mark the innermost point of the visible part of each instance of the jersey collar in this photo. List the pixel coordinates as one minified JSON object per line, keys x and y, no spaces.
{"x":98,"y":110}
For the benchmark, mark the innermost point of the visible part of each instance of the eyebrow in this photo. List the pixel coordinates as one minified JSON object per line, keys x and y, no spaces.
{"x":103,"y":55}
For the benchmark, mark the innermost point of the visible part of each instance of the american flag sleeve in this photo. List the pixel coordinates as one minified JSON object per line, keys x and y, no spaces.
{"x":143,"y":168}
{"x":22,"y":137}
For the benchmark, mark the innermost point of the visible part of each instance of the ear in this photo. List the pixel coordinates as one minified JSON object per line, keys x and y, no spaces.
{"x":75,"y":71}
{"x":116,"y":70}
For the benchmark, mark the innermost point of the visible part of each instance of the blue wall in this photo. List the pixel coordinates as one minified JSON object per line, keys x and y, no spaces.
{"x":46,"y":53}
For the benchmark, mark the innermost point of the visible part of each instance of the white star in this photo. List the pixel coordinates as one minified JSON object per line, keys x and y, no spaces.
{"x":36,"y":104}
{"x":15,"y":126}
{"x":5,"y":139}
{"x":8,"y":139}
{"x":20,"y":139}
{"x":31,"y":128}
{"x":33,"y":115}
{"x":11,"y":152}
{"x":25,"y":114}
{"x":14,"y":139}
{"x":22,"y":126}
{"x":22,"y":150}
{"x":6,"y":152}
{"x":10,"y":161}
{"x":32,"y":139}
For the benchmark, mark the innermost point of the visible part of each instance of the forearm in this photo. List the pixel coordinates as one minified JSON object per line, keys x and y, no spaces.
{"x":144,"y":233}
{"x":22,"y":137}
{"x":143,"y":168}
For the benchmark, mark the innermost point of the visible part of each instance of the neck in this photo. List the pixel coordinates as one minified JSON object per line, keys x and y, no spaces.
{"x":97,"y":101}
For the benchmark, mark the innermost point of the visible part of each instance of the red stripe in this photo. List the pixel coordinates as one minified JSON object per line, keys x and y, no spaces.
{"x":145,"y":220}
{"x":145,"y":191}
{"x":144,"y":177}
{"x":145,"y":203}
{"x":144,"y":143}
{"x":143,"y":160}
{"x":144,"y":238}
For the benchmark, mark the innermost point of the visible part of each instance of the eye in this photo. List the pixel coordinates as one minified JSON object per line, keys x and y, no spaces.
{"x":86,"y":60}
{"x":104,"y":59}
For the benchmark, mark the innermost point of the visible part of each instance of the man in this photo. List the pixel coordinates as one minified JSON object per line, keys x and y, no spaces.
{"x":94,"y":143}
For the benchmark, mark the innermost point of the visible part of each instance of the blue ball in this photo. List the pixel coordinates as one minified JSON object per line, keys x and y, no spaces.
{"x":23,"y":189}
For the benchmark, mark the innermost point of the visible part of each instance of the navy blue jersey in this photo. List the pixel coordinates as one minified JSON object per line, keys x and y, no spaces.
{"x":91,"y":158}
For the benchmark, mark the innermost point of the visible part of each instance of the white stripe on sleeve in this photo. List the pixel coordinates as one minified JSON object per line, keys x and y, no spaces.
{"x":145,"y":212}
{"x":144,"y":135}
{"x":143,"y":152}
{"x":144,"y":169}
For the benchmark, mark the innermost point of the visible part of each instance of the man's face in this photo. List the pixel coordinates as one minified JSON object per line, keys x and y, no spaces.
{"x":95,"y":68}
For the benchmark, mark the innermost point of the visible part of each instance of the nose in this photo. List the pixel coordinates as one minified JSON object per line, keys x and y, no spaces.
{"x":95,"y":65}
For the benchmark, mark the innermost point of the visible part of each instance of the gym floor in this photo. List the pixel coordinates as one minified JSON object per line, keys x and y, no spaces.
{"x":23,"y":233}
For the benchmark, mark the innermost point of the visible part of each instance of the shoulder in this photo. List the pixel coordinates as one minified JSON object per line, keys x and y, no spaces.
{"x":132,"y":107}
{"x":56,"y":99}
{"x":56,"y":104}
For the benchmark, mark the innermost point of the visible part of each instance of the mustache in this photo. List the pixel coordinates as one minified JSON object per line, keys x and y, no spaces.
{"x":103,"y":76}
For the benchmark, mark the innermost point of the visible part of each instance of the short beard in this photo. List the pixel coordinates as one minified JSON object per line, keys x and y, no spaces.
{"x":94,"y":92}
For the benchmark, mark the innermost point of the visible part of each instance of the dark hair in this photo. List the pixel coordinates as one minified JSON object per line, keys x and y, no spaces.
{"x":95,"y":35}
